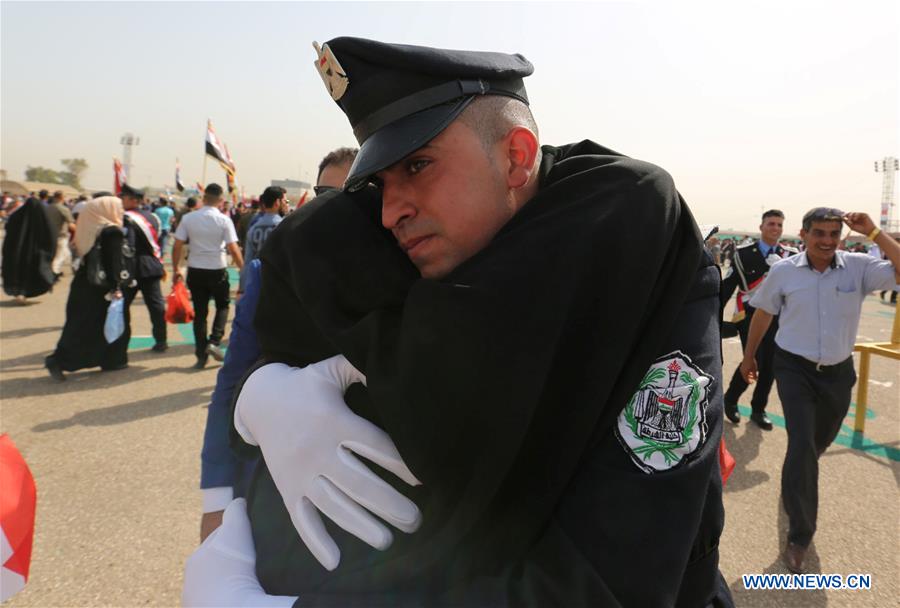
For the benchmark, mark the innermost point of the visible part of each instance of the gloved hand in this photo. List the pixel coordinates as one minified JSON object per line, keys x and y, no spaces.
{"x":221,"y":573}
{"x":307,"y":435}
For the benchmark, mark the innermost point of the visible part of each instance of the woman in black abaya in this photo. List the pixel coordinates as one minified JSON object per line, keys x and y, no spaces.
{"x":28,"y":249}
{"x":99,"y":239}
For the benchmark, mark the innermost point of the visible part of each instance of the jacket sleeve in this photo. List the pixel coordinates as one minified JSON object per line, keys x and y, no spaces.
{"x":218,"y":462}
{"x":729,"y":284}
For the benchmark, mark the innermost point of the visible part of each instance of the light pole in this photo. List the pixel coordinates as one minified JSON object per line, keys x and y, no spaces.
{"x":888,"y":166}
{"x":128,"y":141}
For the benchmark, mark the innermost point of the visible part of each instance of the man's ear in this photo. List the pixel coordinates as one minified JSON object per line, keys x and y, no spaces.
{"x":521,"y":149}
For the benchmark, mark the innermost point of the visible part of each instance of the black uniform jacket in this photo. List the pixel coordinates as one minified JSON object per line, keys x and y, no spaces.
{"x":147,"y":265}
{"x":747,"y":270}
{"x":500,"y":385}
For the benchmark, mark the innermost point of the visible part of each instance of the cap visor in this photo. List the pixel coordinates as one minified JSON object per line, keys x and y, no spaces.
{"x":399,"y":139}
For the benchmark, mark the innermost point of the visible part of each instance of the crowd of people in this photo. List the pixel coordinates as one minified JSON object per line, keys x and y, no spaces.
{"x":428,"y":314}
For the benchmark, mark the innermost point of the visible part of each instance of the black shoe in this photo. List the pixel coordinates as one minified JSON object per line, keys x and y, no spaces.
{"x":200,"y":364}
{"x":55,"y":370}
{"x":732,"y":413}
{"x":160,"y":347}
{"x":793,"y":557}
{"x":761,"y":420}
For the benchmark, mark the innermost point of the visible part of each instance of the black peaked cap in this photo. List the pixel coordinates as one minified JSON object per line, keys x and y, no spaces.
{"x":398,"y":97}
{"x":129,"y":191}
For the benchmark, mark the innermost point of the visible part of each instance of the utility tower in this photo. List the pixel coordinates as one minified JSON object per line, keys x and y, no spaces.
{"x":128,"y":141}
{"x":888,"y":166}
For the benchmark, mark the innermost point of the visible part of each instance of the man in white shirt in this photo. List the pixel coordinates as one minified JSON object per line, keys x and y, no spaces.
{"x":819,"y":296}
{"x":210,"y":233}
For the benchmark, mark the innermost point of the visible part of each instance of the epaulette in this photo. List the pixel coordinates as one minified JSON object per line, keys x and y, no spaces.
{"x":750,"y":244}
{"x":793,"y":250}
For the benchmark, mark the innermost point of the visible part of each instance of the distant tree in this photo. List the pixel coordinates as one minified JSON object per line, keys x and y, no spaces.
{"x":42,"y":174}
{"x":76,"y":168}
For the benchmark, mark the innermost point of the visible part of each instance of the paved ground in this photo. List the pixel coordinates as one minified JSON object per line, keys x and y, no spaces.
{"x":116,"y":459}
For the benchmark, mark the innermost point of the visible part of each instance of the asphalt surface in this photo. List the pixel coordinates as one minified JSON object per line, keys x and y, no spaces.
{"x":116,"y":459}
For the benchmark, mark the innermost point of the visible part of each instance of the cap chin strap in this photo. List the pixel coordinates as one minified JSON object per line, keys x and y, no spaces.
{"x":422,"y":100}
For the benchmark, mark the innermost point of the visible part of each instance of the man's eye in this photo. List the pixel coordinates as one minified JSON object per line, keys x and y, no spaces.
{"x":414,"y":166}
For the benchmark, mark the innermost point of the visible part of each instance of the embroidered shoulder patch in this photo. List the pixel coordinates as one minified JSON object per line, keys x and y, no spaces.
{"x":664,"y":423}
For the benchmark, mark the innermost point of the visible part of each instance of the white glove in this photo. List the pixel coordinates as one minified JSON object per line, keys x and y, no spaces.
{"x":306,"y":431}
{"x":221,"y":573}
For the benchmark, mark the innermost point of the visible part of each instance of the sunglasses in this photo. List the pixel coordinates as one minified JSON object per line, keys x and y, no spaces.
{"x":821,"y":213}
{"x":322,"y":189}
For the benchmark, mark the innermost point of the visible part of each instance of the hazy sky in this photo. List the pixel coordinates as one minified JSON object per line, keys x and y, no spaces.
{"x":748,"y":105}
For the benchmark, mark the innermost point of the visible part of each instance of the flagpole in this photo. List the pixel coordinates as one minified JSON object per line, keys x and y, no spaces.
{"x":205,"y":136}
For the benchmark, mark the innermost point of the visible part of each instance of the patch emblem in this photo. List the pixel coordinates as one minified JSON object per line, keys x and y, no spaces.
{"x":333,"y":75}
{"x":664,"y":423}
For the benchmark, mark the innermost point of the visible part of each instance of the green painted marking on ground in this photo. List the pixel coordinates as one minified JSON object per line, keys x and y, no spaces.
{"x":187,"y":332}
{"x":143,"y":342}
{"x":847,"y":437}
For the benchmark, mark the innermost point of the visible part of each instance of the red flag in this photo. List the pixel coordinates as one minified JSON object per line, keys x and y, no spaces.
{"x":17,"y":503}
{"x":119,"y":177}
{"x":726,"y":462}
{"x":302,"y":198}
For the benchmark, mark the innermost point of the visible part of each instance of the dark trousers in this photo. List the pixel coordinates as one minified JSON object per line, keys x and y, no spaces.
{"x":815,"y":403}
{"x":205,"y":284}
{"x":764,"y":357}
{"x":163,"y":235}
{"x":156,"y":304}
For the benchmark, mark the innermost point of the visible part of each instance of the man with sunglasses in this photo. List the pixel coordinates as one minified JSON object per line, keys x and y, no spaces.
{"x":334,"y":169}
{"x":222,"y":475}
{"x":819,"y":296}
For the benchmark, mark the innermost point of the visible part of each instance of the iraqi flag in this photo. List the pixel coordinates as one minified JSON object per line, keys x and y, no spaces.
{"x":119,"y":177}
{"x":179,"y":185}
{"x":216,"y":148}
{"x":17,"y":503}
{"x":148,"y":230}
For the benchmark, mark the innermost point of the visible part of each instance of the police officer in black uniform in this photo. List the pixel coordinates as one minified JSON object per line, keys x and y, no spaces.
{"x":749,"y":267}
{"x":567,"y":446}
{"x":142,"y":230}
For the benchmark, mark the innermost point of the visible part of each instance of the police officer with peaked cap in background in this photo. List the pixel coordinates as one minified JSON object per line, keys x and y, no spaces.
{"x":751,"y":265}
{"x":457,"y":320}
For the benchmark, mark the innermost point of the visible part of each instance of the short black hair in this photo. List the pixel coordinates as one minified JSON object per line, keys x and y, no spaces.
{"x":213,"y":190}
{"x":772,"y":213}
{"x":271,"y":195}
{"x":43,"y":194}
{"x":191,"y":203}
{"x":58,"y":195}
{"x":340,"y":156}
{"x":822,"y":214}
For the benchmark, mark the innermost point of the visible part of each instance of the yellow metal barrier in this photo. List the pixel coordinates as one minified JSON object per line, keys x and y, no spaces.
{"x":867,"y":349}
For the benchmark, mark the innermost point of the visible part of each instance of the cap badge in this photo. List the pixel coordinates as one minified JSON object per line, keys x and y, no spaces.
{"x":330,"y":70}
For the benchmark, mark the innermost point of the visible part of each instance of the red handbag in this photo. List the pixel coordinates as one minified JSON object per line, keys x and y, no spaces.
{"x":178,"y":305}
